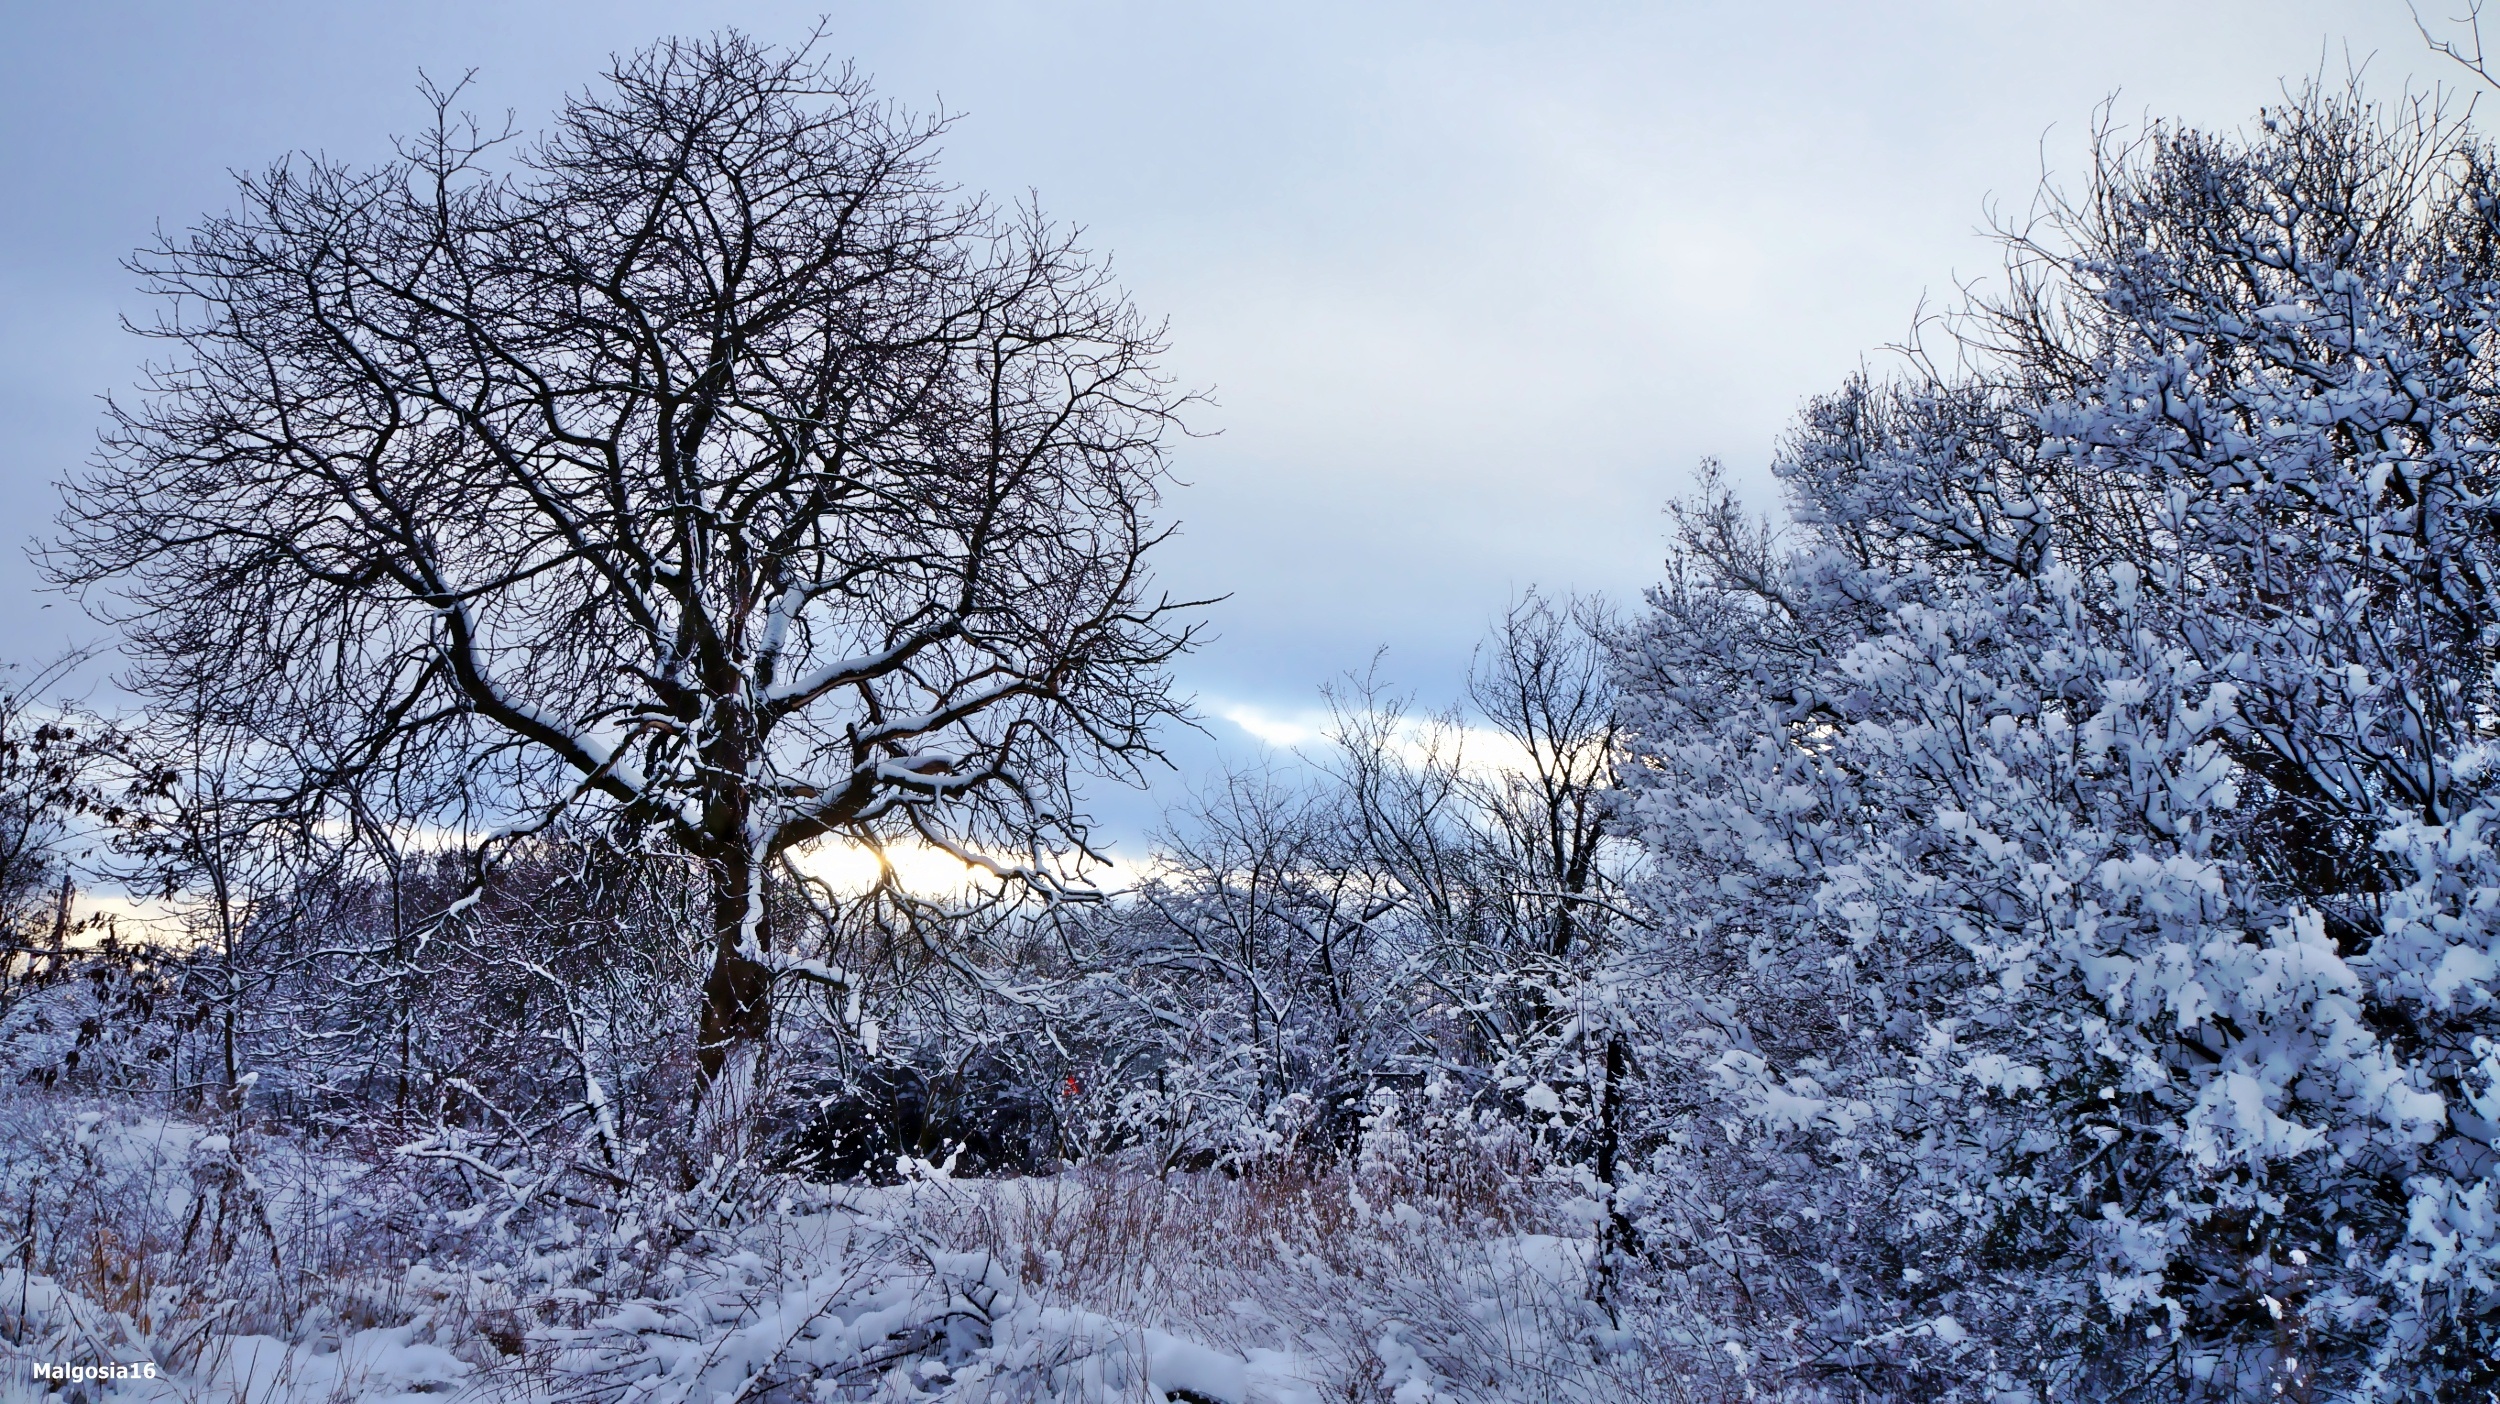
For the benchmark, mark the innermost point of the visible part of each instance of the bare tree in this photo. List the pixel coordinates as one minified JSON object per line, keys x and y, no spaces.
{"x":706,"y":460}
{"x":51,"y":792}
{"x":1544,"y":682}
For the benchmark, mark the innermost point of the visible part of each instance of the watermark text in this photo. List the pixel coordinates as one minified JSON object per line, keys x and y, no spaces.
{"x":66,"y":1374}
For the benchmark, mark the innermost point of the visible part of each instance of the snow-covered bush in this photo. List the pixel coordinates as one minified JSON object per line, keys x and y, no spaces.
{"x":237,"y":1263}
{"x":2095,"y":992}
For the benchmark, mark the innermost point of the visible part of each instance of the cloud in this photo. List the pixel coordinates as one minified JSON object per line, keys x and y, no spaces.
{"x":1272,"y":730}
{"x":1418,"y":739}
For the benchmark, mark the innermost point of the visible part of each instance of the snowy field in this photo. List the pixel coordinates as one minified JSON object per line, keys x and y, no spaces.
{"x":242,"y":1268}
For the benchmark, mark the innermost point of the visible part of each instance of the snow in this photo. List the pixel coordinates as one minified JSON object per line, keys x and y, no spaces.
{"x":932,"y":1289}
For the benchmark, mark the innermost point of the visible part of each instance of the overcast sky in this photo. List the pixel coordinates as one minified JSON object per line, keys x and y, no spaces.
{"x":1474,"y":286}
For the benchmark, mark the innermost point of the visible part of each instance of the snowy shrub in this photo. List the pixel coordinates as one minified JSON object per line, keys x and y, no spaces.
{"x":2095,"y":994}
{"x":238,"y":1264}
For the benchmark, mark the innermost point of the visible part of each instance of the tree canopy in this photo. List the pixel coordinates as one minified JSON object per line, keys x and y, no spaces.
{"x":704,"y":458}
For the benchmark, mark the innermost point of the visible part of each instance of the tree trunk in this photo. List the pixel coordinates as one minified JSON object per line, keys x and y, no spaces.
{"x":737,"y":996}
{"x":1616,"y":1238}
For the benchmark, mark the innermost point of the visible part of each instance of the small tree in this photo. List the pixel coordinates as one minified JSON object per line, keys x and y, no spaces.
{"x":707,"y":461}
{"x":49,"y":791}
{"x":1543,"y":682}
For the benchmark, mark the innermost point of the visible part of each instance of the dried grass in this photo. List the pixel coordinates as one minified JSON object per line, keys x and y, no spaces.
{"x":1410,"y":1264}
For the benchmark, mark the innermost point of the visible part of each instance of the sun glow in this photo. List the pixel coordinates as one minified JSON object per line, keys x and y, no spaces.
{"x":921,"y":868}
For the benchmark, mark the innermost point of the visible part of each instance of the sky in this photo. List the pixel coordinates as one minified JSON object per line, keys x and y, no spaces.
{"x":1472,"y":287}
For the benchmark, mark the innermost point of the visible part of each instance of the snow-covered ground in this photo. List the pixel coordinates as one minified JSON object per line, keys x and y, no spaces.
{"x":246,"y":1268}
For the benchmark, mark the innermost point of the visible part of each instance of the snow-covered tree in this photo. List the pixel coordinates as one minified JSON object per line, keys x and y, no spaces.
{"x":51,"y":766}
{"x":705,"y":461}
{"x":2094,"y":991}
